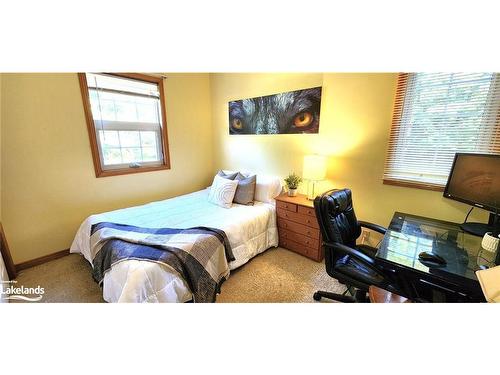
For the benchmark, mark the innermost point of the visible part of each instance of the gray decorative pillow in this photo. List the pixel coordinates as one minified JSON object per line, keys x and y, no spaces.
{"x":229,"y":176}
{"x":245,"y":191}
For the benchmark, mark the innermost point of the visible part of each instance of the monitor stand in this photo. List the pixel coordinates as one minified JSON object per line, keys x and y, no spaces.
{"x":480,"y":229}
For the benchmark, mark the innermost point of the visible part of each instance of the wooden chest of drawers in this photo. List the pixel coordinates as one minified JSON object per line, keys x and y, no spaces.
{"x":297,"y":226}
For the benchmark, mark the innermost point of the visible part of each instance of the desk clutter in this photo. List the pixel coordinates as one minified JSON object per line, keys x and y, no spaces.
{"x":490,"y":242}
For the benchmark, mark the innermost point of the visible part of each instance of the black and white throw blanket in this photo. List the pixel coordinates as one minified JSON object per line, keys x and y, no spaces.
{"x":200,"y":255}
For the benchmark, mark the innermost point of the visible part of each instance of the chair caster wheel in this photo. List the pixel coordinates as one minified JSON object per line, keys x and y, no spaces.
{"x":317,"y":296}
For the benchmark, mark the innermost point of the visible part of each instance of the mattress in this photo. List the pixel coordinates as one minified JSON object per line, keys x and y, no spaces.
{"x":250,"y":231}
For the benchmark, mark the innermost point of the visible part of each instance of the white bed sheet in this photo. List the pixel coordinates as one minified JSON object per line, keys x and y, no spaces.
{"x":250,"y":231}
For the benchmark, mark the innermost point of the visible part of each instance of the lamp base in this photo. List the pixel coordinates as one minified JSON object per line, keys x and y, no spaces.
{"x":311,"y":192}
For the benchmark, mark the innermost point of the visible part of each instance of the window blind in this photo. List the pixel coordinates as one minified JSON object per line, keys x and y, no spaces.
{"x":436,"y":115}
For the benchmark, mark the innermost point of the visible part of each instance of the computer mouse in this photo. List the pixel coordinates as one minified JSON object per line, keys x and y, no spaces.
{"x":428,"y":257}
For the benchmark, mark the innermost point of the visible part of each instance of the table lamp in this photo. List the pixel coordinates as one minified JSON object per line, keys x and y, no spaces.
{"x":314,"y":170}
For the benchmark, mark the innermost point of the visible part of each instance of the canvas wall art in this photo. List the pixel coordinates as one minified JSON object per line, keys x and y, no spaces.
{"x":292,"y":112}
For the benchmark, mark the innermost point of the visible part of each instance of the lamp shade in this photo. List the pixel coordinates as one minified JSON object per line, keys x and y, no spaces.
{"x":314,"y":167}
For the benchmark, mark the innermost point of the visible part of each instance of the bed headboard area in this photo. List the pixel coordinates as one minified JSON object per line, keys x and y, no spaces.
{"x":7,"y":269}
{"x":267,"y":187}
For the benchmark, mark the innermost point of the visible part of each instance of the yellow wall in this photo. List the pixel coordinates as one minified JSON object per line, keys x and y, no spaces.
{"x":0,"y":147}
{"x":49,"y":185}
{"x":355,"y":121}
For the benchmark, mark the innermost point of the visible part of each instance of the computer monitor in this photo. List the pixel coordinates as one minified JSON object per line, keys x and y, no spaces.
{"x":475,"y":179}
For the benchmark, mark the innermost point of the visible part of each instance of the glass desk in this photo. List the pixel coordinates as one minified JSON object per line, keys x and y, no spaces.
{"x":409,"y":235}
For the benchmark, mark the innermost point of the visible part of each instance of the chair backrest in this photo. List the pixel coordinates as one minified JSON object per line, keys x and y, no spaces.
{"x":336,"y":217}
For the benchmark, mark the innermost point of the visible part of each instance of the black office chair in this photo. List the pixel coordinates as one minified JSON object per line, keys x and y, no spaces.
{"x":351,"y":264}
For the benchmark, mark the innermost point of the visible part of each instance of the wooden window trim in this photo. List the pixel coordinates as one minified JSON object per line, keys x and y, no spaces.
{"x":99,"y":171}
{"x":416,"y":185}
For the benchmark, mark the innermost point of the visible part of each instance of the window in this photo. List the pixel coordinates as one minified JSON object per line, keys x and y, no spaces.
{"x":435,"y":116}
{"x":126,"y":122}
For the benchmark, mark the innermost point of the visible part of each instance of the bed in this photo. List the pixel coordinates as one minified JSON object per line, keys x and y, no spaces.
{"x":249,"y":229}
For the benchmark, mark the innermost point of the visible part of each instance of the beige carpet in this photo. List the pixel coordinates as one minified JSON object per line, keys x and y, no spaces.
{"x":277,"y":275}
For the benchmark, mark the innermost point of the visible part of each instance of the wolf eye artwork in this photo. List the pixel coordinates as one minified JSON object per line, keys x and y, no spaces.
{"x":292,"y":112}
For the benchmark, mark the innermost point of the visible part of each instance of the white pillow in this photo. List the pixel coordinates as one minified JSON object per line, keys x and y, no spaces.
{"x":222,"y":191}
{"x":267,"y":187}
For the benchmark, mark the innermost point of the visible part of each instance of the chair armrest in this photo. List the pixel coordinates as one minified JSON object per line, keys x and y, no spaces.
{"x":377,"y":228}
{"x":358,"y":255}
